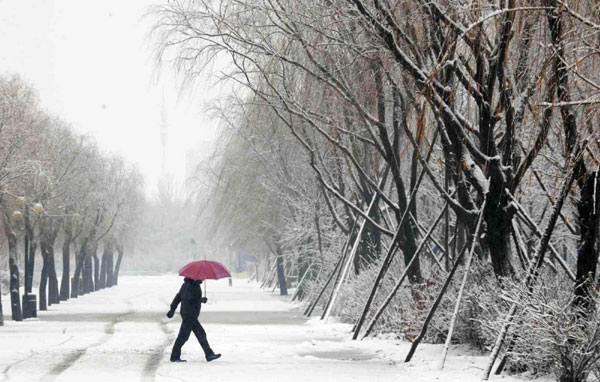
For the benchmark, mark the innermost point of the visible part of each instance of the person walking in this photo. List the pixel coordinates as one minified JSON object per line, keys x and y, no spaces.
{"x":190,"y":297}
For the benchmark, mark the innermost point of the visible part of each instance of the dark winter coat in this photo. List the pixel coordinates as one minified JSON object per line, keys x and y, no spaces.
{"x":190,"y":297}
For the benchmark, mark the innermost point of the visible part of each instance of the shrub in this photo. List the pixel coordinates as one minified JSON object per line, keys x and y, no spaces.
{"x":552,"y":333}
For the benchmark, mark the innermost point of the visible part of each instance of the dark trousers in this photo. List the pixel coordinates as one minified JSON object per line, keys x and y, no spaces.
{"x":187,"y":326}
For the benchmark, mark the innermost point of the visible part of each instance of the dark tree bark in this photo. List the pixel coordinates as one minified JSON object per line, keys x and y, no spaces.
{"x":587,"y":251}
{"x":66,"y":261}
{"x":76,"y":277}
{"x":498,"y":220}
{"x":118,"y":265}
{"x":53,"y":292}
{"x":43,"y":300}
{"x":80,"y":259}
{"x":105,"y":279}
{"x":587,"y":206}
{"x":49,"y":281}
{"x":15,"y":300}
{"x":101,"y":284}
{"x":29,"y":252}
{"x":88,"y":273}
{"x":110,"y":270}
{"x":369,"y":249}
{"x":281,"y":272}
{"x":31,"y":263}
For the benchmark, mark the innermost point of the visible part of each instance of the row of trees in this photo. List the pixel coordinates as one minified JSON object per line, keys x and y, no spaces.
{"x":58,"y":190}
{"x":462,"y":135}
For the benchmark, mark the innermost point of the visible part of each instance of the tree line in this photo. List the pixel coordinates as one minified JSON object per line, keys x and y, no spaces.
{"x":433,"y":148}
{"x":58,"y":190}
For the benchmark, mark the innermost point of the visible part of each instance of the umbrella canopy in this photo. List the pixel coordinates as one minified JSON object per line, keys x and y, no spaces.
{"x":204,"y":270}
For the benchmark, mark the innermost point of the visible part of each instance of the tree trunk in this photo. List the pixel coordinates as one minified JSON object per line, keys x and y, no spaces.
{"x":101,"y":284}
{"x":497,"y":239}
{"x":79,"y":260}
{"x":53,"y":295}
{"x":107,"y":253}
{"x":96,"y":272}
{"x":88,"y":268}
{"x":44,"y":279}
{"x":66,"y":261}
{"x":587,"y":251}
{"x":408,"y":246}
{"x":28,"y":253}
{"x":31,"y":264}
{"x":281,"y":272}
{"x":110,"y":270}
{"x":118,"y":266}
{"x":15,"y":300}
{"x":369,"y":249}
{"x":88,"y":274}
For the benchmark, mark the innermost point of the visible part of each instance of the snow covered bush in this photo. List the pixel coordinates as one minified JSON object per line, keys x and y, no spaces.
{"x":405,"y":315}
{"x":552,"y":333}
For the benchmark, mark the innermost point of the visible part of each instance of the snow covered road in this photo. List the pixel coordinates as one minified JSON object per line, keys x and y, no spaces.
{"x":122,"y":334}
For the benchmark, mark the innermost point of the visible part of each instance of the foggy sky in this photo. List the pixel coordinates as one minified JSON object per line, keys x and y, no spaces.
{"x":91,"y":63}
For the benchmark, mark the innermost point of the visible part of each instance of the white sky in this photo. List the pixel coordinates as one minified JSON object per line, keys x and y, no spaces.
{"x":91,"y":63}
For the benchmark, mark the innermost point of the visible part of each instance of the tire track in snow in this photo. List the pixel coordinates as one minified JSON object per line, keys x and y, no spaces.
{"x":154,"y":360}
{"x":74,"y":356}
{"x":7,"y":368}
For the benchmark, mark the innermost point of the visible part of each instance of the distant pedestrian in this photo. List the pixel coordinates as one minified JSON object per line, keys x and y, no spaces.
{"x":190,"y":297}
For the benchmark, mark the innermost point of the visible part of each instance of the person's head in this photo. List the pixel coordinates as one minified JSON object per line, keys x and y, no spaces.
{"x":198,"y":282}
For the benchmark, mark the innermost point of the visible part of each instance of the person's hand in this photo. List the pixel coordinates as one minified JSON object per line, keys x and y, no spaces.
{"x":170,"y":313}
{"x":204,"y":299}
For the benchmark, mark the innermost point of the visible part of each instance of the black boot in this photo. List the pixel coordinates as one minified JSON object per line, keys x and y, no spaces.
{"x":212,"y":357}
{"x":178,"y":360}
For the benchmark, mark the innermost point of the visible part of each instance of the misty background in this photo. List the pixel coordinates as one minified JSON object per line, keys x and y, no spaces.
{"x":92,"y":64}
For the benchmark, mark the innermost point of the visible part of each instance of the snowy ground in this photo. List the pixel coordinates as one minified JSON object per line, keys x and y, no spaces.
{"x":122,"y":334}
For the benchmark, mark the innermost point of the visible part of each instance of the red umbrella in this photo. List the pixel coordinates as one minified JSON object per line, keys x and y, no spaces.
{"x":204,"y":270}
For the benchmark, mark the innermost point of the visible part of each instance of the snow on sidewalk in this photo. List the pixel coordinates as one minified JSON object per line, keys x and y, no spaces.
{"x":122,"y":334}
